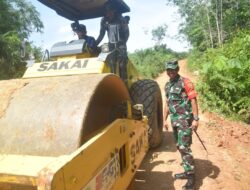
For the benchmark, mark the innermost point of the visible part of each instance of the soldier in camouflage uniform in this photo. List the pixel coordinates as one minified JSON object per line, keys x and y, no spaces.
{"x":181,"y":105}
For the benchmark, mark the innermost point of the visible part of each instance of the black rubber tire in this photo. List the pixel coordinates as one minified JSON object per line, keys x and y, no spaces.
{"x":148,"y":93}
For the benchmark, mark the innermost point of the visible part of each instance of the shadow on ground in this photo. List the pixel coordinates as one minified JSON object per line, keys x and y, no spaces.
{"x":147,"y":179}
{"x":168,"y":144}
{"x":204,"y":168}
{"x":161,"y":181}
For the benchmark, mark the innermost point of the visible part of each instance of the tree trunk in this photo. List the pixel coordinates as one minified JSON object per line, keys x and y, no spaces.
{"x":209,"y":27}
{"x":221,"y":22}
{"x":217,"y":23}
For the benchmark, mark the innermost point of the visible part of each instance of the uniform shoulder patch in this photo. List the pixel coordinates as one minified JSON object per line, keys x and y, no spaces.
{"x":189,"y":88}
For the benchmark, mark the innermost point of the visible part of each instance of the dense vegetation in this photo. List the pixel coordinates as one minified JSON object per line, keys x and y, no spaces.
{"x":224,"y":74}
{"x":18,"y":19}
{"x":210,"y":23}
{"x":219,"y":32}
{"x":151,"y":61}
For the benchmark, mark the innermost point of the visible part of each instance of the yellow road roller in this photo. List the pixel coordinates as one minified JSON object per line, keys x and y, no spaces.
{"x":71,"y":124}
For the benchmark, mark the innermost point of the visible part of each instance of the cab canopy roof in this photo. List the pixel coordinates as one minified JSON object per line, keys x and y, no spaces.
{"x":83,"y":9}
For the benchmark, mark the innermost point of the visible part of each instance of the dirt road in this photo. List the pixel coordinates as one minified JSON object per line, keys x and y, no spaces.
{"x":227,"y":166}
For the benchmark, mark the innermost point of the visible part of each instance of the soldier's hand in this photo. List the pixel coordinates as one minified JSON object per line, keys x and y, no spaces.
{"x":165,"y":125}
{"x":195,"y":125}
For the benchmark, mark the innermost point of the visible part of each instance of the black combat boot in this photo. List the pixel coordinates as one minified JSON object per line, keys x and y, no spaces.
{"x":190,"y":183}
{"x":183,"y":175}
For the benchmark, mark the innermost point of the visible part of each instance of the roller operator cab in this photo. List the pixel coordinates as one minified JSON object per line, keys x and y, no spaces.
{"x":71,"y":124}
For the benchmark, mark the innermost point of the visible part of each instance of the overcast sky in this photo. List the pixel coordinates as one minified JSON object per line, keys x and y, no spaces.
{"x":145,"y":15}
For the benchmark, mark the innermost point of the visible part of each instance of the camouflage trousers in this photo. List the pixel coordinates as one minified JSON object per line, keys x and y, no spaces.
{"x":183,"y":138}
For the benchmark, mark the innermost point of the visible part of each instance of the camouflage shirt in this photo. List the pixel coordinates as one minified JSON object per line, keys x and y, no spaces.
{"x":179,"y":91}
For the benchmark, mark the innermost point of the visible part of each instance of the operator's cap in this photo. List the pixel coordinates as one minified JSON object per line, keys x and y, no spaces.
{"x":78,"y":27}
{"x":171,"y":65}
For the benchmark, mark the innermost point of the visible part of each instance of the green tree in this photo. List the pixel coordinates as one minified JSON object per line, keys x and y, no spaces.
{"x":210,"y":23}
{"x":18,"y":19}
{"x":159,"y":33}
{"x":219,"y":33}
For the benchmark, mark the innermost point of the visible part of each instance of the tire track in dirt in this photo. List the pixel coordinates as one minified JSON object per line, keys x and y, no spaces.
{"x":227,"y":166}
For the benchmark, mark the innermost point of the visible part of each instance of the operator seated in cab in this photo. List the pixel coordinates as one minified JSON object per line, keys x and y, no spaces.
{"x":80,"y":30}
